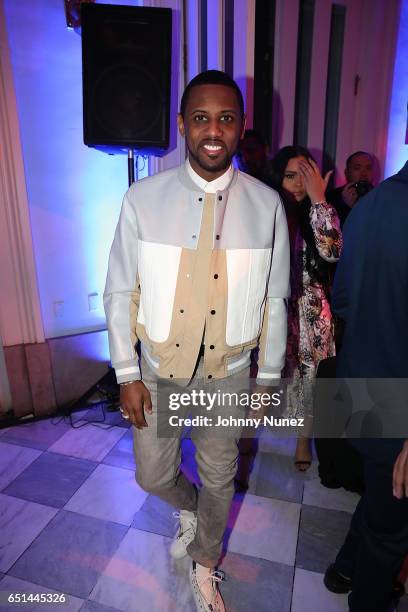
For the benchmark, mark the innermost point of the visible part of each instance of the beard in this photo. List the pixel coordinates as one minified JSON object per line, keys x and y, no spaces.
{"x":221,"y":163}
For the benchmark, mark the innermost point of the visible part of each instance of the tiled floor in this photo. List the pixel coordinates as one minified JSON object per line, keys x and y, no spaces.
{"x":73,"y":520}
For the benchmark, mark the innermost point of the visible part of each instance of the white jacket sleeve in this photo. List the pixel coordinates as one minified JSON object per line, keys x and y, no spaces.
{"x":272,"y":345}
{"x":122,"y":295}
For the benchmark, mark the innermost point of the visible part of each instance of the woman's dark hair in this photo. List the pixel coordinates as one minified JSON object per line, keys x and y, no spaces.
{"x":320,"y":271}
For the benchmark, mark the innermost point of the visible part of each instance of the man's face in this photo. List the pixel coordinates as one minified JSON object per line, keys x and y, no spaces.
{"x":212,"y":126}
{"x":360,"y":168}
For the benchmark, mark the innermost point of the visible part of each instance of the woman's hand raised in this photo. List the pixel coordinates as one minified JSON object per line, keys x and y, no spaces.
{"x":313,"y":181}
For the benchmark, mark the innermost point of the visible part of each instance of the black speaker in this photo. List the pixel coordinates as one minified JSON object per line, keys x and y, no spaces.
{"x":126,"y":71}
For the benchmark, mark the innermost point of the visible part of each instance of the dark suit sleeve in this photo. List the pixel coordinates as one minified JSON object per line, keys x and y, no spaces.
{"x":349,"y":267}
{"x":340,"y":290}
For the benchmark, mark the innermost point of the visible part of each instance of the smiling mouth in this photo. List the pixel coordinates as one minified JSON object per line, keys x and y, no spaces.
{"x":212,"y":148}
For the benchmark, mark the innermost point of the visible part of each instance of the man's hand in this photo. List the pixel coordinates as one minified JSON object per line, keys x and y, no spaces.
{"x":135,"y":400}
{"x":400,"y":474}
{"x":264,"y":407}
{"x":349,"y":195}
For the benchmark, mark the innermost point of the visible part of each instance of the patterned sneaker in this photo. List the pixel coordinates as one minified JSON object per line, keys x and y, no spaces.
{"x":205,"y":590}
{"x":186,"y":534}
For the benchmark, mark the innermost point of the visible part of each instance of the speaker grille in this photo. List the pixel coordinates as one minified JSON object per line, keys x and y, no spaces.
{"x":126,"y":77}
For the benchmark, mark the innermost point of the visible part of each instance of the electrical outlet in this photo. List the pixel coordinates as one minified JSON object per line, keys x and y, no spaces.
{"x":93,"y":301}
{"x":59,"y":309}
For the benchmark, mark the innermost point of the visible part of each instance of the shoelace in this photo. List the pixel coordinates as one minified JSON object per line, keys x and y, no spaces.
{"x":177,"y":515}
{"x":215,"y":577}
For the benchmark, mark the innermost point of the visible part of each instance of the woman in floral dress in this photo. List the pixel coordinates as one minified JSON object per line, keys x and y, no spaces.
{"x":316,"y":242}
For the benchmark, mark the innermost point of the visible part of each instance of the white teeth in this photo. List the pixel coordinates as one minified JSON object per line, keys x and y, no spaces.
{"x":213,"y":147}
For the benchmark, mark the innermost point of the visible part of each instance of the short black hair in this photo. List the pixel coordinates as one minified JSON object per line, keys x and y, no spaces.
{"x":250,"y":133}
{"x":211,"y":77}
{"x":350,"y":157}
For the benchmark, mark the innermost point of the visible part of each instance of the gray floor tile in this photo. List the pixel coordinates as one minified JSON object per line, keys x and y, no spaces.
{"x":310,"y":594}
{"x":313,"y":472}
{"x":256,"y":584}
{"x":13,"y":461}
{"x":264,"y":528}
{"x":275,"y":476}
{"x":20,"y":523}
{"x":86,"y":552}
{"x":321,"y":534}
{"x":51,"y":480}
{"x":142,"y":576}
{"x":110,"y":493}
{"x":121,"y":454}
{"x":70,"y":553}
{"x":40,"y":434}
{"x":156,"y":516}
{"x":90,"y":442}
{"x":9,"y":584}
{"x":270,"y":443}
{"x":96,"y":606}
{"x":315,"y":494}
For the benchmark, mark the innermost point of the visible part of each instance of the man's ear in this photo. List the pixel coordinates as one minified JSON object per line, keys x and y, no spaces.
{"x":180,"y":125}
{"x":244,"y":119}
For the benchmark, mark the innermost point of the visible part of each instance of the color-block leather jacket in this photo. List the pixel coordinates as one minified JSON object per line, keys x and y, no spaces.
{"x":189,"y":268}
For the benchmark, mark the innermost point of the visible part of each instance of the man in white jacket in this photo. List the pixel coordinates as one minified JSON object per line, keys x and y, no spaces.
{"x":199,"y":274}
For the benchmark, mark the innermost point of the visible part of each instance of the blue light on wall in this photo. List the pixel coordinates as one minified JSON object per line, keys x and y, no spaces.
{"x":397,"y":149}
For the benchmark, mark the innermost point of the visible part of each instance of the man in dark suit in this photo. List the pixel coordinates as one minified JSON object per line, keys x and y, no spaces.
{"x":371,"y":295}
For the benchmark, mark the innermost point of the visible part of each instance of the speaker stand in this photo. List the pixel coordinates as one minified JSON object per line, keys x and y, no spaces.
{"x":131,"y":167}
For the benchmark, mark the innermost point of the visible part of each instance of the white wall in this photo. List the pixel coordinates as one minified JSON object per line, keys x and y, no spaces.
{"x":368,"y":52}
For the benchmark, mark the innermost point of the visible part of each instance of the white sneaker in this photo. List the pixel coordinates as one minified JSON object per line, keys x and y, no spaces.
{"x":205,"y":590}
{"x":186,"y":534}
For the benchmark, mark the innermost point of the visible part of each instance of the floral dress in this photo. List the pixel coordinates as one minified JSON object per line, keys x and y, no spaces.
{"x":310,"y":322}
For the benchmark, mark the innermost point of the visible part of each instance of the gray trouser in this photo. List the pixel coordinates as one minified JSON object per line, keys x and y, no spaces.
{"x":158,"y":471}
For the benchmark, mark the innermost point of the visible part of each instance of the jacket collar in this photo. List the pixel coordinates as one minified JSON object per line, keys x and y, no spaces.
{"x":187,"y":181}
{"x":218,"y":184}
